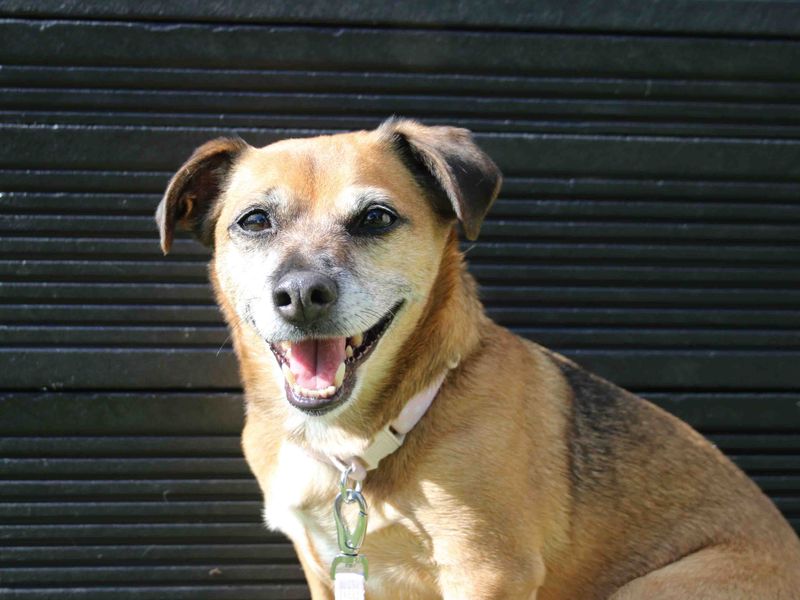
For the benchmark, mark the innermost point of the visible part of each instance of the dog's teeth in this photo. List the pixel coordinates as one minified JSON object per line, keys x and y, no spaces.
{"x":339,"y":377}
{"x":327,"y":392}
{"x":287,"y":373}
{"x":358,"y":339}
{"x":349,"y":351}
{"x":285,"y":346}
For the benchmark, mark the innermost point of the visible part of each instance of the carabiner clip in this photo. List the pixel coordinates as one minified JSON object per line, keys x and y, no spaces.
{"x":350,"y":541}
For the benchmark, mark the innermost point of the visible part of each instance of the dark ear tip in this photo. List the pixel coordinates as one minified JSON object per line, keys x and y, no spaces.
{"x":472,"y":228}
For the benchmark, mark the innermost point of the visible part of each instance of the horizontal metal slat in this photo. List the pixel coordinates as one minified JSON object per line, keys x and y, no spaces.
{"x":127,"y":369}
{"x":29,"y":179}
{"x":745,"y":412}
{"x":551,"y":155}
{"x":139,"y":446}
{"x":789,"y":506}
{"x":748,"y":17}
{"x":166,"y":490}
{"x":115,"y":412}
{"x":246,"y":78}
{"x":768,"y":463}
{"x":322,"y":110}
{"x":171,"y":511}
{"x":151,"y":574}
{"x":566,"y":294}
{"x":755,"y":442}
{"x":602,"y":274}
{"x":122,"y":467}
{"x":139,"y":533}
{"x":512,"y":230}
{"x":220,"y":553}
{"x":496,"y":124}
{"x":672,"y":339}
{"x":718,"y":370}
{"x":115,"y":336}
{"x":110,"y":293}
{"x":186,"y":591}
{"x":318,"y":48}
{"x":134,"y":204}
{"x":643,"y":188}
{"x":778,"y":484}
{"x":76,"y":225}
{"x":624,"y":251}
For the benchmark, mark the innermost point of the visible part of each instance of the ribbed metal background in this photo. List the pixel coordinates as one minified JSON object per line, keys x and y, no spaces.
{"x":648,"y":227}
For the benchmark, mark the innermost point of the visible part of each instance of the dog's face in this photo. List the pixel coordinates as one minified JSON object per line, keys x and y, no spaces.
{"x":328,"y":247}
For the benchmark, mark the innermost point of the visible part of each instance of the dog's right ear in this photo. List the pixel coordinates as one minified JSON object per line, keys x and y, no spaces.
{"x":191,"y":194}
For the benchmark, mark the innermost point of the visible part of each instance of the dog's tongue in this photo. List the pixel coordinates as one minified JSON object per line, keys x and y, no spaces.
{"x":314,"y":362}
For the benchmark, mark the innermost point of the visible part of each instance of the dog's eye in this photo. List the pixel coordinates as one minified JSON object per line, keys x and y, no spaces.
{"x":376,"y":219}
{"x":255,"y":221}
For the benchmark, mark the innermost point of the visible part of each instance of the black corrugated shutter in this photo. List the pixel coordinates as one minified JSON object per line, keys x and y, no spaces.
{"x":648,"y":227}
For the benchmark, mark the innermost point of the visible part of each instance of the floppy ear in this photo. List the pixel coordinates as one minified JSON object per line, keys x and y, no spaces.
{"x":463,"y":180}
{"x":191,"y":194}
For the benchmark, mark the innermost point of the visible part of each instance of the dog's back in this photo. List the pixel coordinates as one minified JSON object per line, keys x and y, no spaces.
{"x":647,"y":490}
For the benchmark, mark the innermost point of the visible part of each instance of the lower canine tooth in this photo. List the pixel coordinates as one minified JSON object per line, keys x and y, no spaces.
{"x":339,"y":377}
{"x":287,"y":373}
{"x":358,"y":339}
{"x":349,"y":351}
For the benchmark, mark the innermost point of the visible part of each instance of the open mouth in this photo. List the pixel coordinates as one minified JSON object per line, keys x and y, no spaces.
{"x":319,"y":374}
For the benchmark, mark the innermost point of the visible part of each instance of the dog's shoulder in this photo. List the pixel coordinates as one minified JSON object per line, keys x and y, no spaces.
{"x":611,"y":428}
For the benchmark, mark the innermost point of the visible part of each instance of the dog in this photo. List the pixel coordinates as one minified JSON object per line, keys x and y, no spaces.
{"x":336,"y":264}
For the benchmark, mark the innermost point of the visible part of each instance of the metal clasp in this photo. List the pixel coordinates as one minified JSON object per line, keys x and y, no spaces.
{"x":349,"y":540}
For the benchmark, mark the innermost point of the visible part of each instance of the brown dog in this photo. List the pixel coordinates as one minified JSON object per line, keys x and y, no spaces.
{"x":337,"y":266}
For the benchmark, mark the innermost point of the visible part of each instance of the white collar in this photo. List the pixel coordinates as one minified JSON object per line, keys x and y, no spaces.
{"x":392,"y":435}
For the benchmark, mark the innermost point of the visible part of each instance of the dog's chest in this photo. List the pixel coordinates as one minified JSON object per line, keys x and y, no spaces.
{"x":299,"y":503}
{"x":299,"y":499}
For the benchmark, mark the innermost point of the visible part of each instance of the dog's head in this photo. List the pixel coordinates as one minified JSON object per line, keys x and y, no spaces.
{"x":328,"y":247}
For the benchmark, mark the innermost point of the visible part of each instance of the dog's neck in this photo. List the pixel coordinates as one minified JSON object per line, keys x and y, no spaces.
{"x":447,"y":330}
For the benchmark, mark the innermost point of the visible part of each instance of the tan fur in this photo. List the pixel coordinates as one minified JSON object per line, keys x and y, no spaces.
{"x":528,"y":477}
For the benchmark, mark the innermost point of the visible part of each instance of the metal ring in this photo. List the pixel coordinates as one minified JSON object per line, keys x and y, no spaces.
{"x":345,"y":478}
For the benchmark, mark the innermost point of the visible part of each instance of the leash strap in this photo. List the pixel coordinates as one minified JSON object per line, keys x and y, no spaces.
{"x":348,"y":586}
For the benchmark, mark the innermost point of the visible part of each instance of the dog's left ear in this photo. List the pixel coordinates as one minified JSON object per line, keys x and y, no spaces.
{"x":448,"y":162}
{"x":191,"y":194}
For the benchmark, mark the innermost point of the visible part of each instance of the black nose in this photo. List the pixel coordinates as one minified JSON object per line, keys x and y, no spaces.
{"x":302,"y":297}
